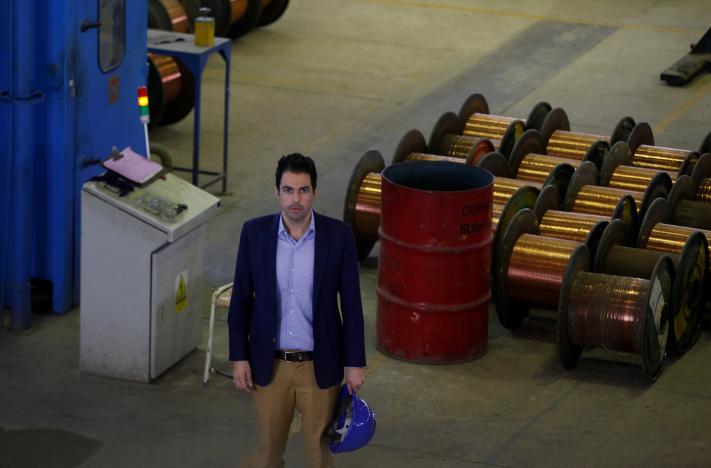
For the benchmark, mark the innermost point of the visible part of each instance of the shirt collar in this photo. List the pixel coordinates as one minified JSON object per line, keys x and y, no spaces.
{"x":283,"y":232}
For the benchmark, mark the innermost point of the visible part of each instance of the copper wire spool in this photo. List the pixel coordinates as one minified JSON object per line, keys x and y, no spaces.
{"x":616,"y":313}
{"x":361,"y":208}
{"x":612,"y":320}
{"x":536,"y":269}
{"x":616,"y":256}
{"x":368,"y":201}
{"x":487,"y":125}
{"x":170,"y":76}
{"x":171,"y":89}
{"x":634,"y":178}
{"x":168,"y":15}
{"x":537,"y":167}
{"x":703,"y":193}
{"x":502,"y":131}
{"x":602,"y":201}
{"x":178,"y":16}
{"x":497,"y":209}
{"x":620,"y":313}
{"x":460,"y":146}
{"x":572,"y":145}
{"x":505,"y":187}
{"x":569,"y":225}
{"x":237,"y":9}
{"x":670,"y":238}
{"x":661,"y":158}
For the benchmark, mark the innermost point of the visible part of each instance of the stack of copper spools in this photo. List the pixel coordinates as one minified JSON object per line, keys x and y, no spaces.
{"x":171,"y":87}
{"x":610,"y":233}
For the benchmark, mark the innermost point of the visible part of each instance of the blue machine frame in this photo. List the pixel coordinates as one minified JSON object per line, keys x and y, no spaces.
{"x":62,"y":113}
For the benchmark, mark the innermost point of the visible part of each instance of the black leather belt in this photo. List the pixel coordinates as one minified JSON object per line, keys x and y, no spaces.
{"x":294,"y":356}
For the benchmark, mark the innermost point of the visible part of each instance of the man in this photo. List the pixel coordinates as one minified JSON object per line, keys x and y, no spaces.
{"x":288,"y":340}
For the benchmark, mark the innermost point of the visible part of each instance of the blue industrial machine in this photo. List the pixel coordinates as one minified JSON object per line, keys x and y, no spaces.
{"x":69,"y":71}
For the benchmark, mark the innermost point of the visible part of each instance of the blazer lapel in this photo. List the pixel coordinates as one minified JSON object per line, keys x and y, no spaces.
{"x":321,"y":254}
{"x":271,"y":253}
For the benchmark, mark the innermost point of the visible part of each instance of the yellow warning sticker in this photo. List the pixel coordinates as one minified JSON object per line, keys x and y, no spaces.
{"x":181,"y":291}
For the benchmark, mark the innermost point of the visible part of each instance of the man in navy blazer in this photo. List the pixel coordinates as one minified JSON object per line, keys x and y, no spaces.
{"x":289,"y":342}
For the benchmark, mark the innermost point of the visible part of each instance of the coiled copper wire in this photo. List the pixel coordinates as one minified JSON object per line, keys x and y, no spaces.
{"x":170,"y":75}
{"x":237,"y":10}
{"x":367,"y":209}
{"x":635,"y":178}
{"x":496,"y":211}
{"x":487,"y":125}
{"x":598,"y":200}
{"x":572,"y":145}
{"x":569,"y":225}
{"x":703,"y":193}
{"x":536,"y":269}
{"x":178,"y":15}
{"x":537,"y":167}
{"x":672,"y":239}
{"x":607,"y":311}
{"x":659,"y":157}
{"x":505,"y":187}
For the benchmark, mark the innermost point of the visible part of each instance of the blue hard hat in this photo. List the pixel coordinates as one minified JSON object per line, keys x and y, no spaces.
{"x":353,"y":423}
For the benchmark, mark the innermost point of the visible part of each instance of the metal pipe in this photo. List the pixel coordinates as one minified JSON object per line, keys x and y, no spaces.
{"x":22,"y":168}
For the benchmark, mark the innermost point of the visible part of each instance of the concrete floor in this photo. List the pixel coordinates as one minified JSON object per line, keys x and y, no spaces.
{"x":333,"y":79}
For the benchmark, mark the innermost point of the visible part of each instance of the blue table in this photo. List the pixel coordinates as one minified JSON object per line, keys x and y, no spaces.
{"x":182,"y":46}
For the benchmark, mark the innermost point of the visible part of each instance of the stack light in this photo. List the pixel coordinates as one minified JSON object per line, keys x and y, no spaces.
{"x":143,"y":104}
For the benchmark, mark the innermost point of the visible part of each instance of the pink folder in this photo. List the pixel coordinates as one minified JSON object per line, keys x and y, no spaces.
{"x":133,"y":166}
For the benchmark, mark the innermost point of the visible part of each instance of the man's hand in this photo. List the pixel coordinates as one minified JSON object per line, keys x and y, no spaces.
{"x":355,"y":377}
{"x":242,"y":376}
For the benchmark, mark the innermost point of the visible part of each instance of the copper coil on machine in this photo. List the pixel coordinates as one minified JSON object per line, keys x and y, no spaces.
{"x":361,"y":209}
{"x":616,"y":313}
{"x":618,"y":255}
{"x":530,"y":268}
{"x":412,"y":146}
{"x":171,"y":89}
{"x":168,"y":15}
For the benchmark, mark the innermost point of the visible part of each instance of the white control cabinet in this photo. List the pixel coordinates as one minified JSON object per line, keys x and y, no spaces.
{"x":142,"y":264}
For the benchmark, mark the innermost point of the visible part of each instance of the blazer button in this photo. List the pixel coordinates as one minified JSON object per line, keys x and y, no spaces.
{"x":273,"y":340}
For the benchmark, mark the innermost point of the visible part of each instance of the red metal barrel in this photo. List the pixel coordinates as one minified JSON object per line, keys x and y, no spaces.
{"x":433,"y":269}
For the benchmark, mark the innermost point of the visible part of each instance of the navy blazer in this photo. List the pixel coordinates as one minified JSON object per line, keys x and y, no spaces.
{"x":253,"y":315}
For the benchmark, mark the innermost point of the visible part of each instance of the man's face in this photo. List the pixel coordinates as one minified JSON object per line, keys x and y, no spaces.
{"x":295,"y":196}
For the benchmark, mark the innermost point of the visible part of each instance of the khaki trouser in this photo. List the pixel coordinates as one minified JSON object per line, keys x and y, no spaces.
{"x":293,"y":385}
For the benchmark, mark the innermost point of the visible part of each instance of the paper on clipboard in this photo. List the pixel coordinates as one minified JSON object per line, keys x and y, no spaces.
{"x":133,"y":166}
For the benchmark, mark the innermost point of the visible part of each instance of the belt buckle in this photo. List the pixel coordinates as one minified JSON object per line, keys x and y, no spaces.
{"x":292,"y":356}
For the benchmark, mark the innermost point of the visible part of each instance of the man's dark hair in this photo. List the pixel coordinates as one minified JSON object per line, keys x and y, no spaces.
{"x":298,"y":164}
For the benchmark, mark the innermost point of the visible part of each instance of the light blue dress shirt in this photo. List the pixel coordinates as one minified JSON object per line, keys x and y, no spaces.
{"x":295,"y":285}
